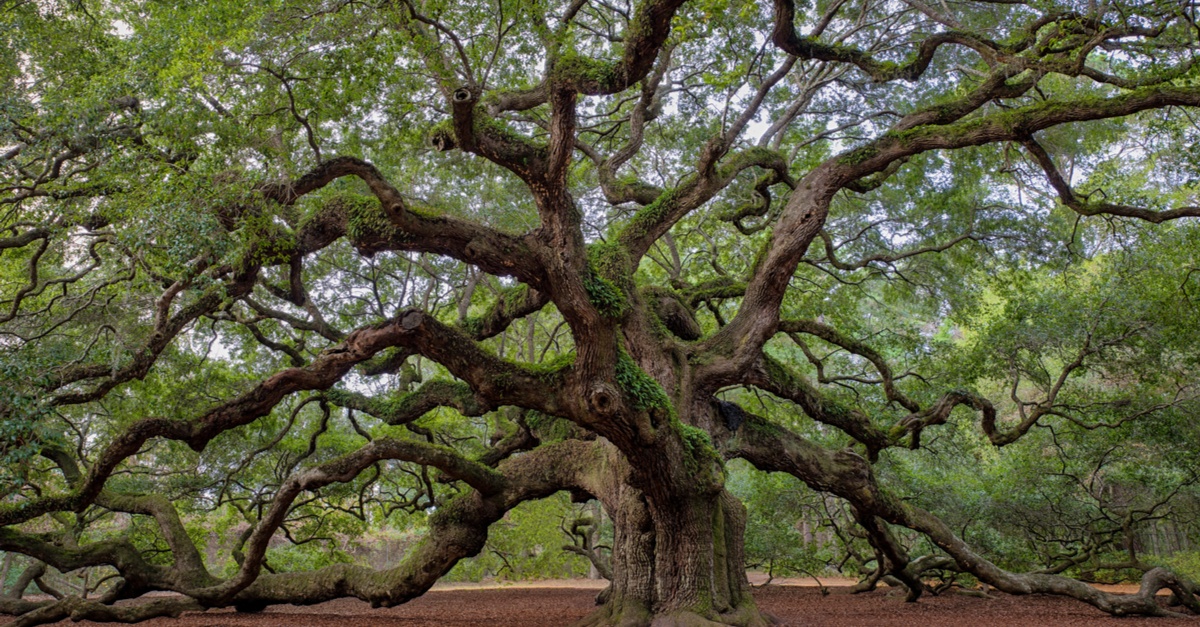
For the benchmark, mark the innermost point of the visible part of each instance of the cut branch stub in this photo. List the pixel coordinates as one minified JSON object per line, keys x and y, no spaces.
{"x":463,"y":94}
{"x":412,"y":320}
{"x":604,"y":399}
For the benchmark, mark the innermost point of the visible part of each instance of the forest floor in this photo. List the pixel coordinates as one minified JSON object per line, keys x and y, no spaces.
{"x":797,"y":603}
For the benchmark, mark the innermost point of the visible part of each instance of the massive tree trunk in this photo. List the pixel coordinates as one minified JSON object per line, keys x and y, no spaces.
{"x":678,"y":557}
{"x":677,"y":563}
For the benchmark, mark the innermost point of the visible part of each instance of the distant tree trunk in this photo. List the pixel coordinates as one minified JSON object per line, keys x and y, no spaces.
{"x":597,"y":513}
{"x":4,"y":569}
{"x":31,"y":573}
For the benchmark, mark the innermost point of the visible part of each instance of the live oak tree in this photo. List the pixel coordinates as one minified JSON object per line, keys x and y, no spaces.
{"x":279,"y":259}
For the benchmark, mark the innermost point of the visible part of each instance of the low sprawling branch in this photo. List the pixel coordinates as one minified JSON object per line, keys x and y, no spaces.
{"x":493,"y":378}
{"x":772,"y":448}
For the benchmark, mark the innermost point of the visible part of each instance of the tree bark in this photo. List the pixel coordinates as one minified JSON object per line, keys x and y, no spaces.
{"x":678,"y":556}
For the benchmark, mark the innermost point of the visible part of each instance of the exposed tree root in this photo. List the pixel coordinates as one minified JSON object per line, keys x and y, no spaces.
{"x":78,"y":609}
{"x":636,"y":614}
{"x":613,"y":614}
{"x":16,"y":607}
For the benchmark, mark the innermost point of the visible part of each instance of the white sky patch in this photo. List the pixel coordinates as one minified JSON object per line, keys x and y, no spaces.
{"x":122,"y":29}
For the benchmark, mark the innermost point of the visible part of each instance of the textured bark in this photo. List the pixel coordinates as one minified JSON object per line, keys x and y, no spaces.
{"x":678,"y":557}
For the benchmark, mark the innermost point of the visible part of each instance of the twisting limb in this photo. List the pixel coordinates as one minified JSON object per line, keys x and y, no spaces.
{"x":893,"y":560}
{"x":457,"y":530}
{"x":719,"y":146}
{"x":1084,"y":206}
{"x":580,"y":533}
{"x":772,"y":448}
{"x":324,"y":330}
{"x":831,"y":335}
{"x":646,"y":387}
{"x":939,"y":413}
{"x":11,"y":601}
{"x":119,"y":554}
{"x":494,"y":252}
{"x":78,"y":609}
{"x":485,"y":480}
{"x":887,"y":258}
{"x":652,"y":221}
{"x":644,"y":38}
{"x":166,"y":330}
{"x":771,"y":375}
{"x":785,"y":37}
{"x":803,"y":218}
{"x":1079,"y":36}
{"x":476,"y":132}
{"x":616,"y":190}
{"x":492,"y":377}
{"x":510,"y":305}
{"x":415,"y":404}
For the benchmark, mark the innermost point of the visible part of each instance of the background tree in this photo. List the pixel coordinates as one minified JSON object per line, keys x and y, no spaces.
{"x":297,"y":269}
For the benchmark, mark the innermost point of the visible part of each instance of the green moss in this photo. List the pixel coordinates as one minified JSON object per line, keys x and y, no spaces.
{"x":514,"y":297}
{"x":695,"y":440}
{"x":510,"y":300}
{"x":756,"y":155}
{"x":275,"y":248}
{"x":472,"y":325}
{"x":442,"y":136}
{"x":338,"y":397}
{"x":549,"y":428}
{"x":365,"y":219}
{"x":651,"y":215}
{"x":642,"y":24}
{"x":762,"y":428}
{"x":652,"y":293}
{"x":388,"y":409}
{"x":423,"y":211}
{"x":604,"y":295}
{"x":264,"y":242}
{"x":760,"y":256}
{"x":609,"y":278}
{"x":610,"y":261}
{"x":550,"y":369}
{"x":644,"y":392}
{"x":583,"y":71}
{"x":500,"y":132}
{"x":403,"y":404}
{"x":855,"y":157}
{"x":1014,"y":121}
{"x":702,"y":456}
{"x":629,"y":178}
{"x":503,"y":379}
{"x":719,"y":288}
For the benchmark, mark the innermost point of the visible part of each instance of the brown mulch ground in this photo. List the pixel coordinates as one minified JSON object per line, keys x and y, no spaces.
{"x":797,"y":606}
